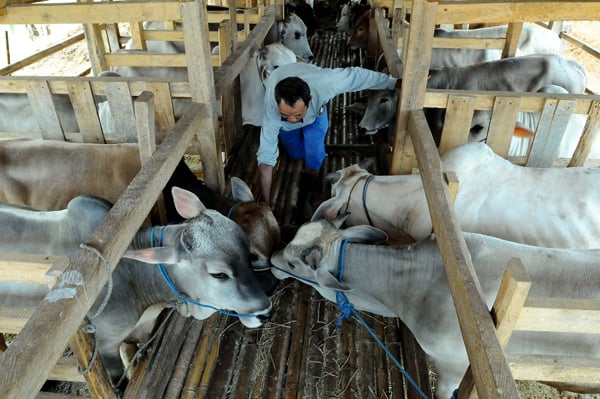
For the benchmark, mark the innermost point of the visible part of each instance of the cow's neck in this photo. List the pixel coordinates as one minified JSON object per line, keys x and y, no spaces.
{"x":394,"y":278}
{"x":155,"y":289}
{"x":396,"y":216}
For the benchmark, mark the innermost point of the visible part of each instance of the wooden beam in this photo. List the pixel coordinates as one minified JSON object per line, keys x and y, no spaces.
{"x":91,"y":13}
{"x":470,"y":11}
{"x":31,"y":355}
{"x":493,"y":378}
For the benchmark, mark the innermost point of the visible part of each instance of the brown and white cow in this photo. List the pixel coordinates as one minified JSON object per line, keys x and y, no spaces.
{"x":46,"y":175}
{"x":546,"y":207}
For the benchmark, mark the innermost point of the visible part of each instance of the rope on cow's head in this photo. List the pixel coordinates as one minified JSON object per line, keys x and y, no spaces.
{"x":233,"y":209}
{"x":347,"y":309}
{"x":364,"y":196}
{"x":180,"y":296}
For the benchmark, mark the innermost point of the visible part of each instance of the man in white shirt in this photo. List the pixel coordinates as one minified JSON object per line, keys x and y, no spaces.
{"x":295,"y":111}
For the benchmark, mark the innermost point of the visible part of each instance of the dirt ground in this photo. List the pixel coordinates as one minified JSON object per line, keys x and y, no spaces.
{"x":74,"y":59}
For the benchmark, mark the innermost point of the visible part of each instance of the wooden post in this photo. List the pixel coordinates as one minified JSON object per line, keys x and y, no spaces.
{"x":202,"y":86}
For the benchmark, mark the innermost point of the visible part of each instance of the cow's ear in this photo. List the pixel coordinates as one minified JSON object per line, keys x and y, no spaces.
{"x":186,"y":203}
{"x":357,"y":107}
{"x":154,"y":255}
{"x":327,"y":280}
{"x":240,"y":190}
{"x":366,"y":163}
{"x":327,"y":210}
{"x":364,"y":233}
{"x":332,"y":177}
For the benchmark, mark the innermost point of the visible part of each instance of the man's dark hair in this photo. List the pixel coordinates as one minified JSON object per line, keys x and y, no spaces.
{"x":292,"y":89}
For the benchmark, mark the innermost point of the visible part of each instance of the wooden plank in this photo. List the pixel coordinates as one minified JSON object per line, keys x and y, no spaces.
{"x":91,"y":13}
{"x":121,"y":109}
{"x":565,"y":315}
{"x":66,"y":370}
{"x":137,"y":35}
{"x":555,"y":368}
{"x":416,"y":70}
{"x":12,"y":320}
{"x":457,"y":124}
{"x":549,"y":134}
{"x":163,"y":111}
{"x":493,"y":378}
{"x":31,"y":356}
{"x":200,"y":75}
{"x":589,"y":137}
{"x":40,"y":99}
{"x":513,"y":33}
{"x":504,"y":119}
{"x":95,"y":375}
{"x":470,"y":11}
{"x":146,"y":59}
{"x":82,"y":98}
{"x":29,"y":268}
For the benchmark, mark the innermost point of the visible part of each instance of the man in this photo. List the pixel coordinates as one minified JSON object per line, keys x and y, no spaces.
{"x":295,"y":111}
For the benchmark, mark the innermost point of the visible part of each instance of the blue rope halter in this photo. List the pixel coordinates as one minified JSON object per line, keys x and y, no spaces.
{"x":185,"y":299}
{"x":233,"y":209}
{"x":364,"y":199}
{"x":347,"y":309}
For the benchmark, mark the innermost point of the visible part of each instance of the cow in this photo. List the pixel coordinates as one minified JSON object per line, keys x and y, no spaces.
{"x":253,"y":77}
{"x":292,"y":33}
{"x":39,"y":174}
{"x":305,"y":11}
{"x":206,"y":261}
{"x":546,"y":207}
{"x":349,"y":16}
{"x":409,"y":282}
{"x":530,"y":73}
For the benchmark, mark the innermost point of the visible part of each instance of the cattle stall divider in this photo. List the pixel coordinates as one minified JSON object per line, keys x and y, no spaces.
{"x":515,"y":310}
{"x":413,"y":142}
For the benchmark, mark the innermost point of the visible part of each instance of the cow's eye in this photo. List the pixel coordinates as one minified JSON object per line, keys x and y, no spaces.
{"x":314,"y":267}
{"x":219,"y":276}
{"x":297,"y":35}
{"x":383,"y":101}
{"x":476,"y":129}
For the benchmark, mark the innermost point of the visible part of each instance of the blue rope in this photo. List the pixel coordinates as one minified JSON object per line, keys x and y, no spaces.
{"x":233,"y":209}
{"x":364,"y":199}
{"x":165,"y":275}
{"x":347,"y":309}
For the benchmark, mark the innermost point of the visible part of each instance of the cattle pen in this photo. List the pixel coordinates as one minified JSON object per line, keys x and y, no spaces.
{"x":300,"y":352}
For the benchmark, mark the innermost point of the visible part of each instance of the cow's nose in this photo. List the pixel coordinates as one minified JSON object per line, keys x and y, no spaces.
{"x":263,"y":318}
{"x":311,"y":58}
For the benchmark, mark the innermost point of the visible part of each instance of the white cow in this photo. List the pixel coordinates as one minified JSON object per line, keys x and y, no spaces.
{"x":546,"y":207}
{"x":409,"y":282}
{"x":206,"y":258}
{"x":39,"y":173}
{"x":530,"y":73}
{"x":253,"y":77}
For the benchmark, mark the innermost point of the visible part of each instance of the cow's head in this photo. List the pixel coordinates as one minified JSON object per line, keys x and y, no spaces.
{"x":343,"y":183}
{"x":380,"y":110}
{"x":271,"y":57}
{"x":313,"y":254}
{"x":293,"y":35}
{"x":359,"y":37}
{"x":208,"y":260}
{"x":258,"y":221}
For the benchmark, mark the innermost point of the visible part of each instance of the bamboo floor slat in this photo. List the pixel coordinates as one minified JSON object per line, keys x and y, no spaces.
{"x":299,"y":353}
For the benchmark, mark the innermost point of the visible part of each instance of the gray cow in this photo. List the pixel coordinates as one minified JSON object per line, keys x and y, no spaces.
{"x":206,"y":257}
{"x":409,"y":282}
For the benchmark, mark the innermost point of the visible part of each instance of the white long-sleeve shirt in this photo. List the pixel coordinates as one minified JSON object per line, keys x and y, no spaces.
{"x":324,"y":84}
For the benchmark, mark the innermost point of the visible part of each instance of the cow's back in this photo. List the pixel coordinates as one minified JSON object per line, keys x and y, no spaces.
{"x":46,"y":174}
{"x":549,"y":207}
